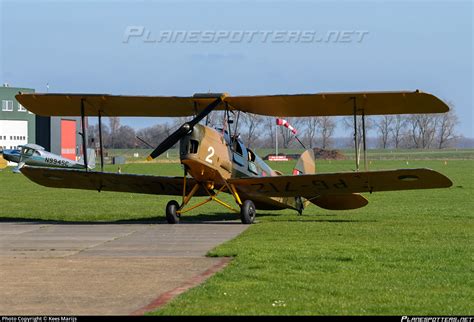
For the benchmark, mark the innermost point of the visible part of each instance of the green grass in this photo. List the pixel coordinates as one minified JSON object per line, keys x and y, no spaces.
{"x":22,"y":198}
{"x":406,"y":253}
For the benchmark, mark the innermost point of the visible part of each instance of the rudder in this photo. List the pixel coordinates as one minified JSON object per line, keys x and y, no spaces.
{"x":306,"y":163}
{"x":91,"y":158}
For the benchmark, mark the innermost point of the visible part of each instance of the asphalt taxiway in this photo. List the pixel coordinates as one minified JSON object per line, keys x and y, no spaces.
{"x":104,"y":269}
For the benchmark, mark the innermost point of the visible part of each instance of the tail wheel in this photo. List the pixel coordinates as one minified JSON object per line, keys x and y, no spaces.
{"x":172,"y":217}
{"x":247,"y":212}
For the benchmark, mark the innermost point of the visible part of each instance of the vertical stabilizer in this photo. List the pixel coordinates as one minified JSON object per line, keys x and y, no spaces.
{"x":306,"y":163}
{"x":91,"y":158}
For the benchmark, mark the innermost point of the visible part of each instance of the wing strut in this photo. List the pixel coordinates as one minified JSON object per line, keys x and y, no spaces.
{"x":84,"y":135}
{"x":100,"y":142}
{"x":356,"y":143}
{"x":363,"y":140}
{"x":355,"y":134}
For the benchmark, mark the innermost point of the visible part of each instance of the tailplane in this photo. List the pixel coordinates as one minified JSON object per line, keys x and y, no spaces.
{"x":345,"y":201}
{"x":306,"y":165}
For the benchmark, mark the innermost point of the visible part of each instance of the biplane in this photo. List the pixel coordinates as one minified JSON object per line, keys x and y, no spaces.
{"x":216,"y":161}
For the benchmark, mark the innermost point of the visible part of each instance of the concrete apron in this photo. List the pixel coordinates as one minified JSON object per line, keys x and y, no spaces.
{"x":104,"y":269}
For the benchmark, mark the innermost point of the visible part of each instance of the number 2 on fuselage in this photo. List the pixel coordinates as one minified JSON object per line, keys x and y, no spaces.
{"x":210,"y":155}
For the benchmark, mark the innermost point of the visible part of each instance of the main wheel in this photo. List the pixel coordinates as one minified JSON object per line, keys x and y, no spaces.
{"x":247,"y":212}
{"x":171,"y":216}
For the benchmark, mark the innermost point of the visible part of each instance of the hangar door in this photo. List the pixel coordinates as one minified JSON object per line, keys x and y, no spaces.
{"x":68,"y":139}
{"x":13,"y":133}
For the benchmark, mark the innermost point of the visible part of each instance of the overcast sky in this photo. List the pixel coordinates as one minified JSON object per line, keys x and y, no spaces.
{"x":125,"y":47}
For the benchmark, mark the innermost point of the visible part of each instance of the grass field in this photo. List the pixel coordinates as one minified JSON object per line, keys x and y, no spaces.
{"x":406,"y":253}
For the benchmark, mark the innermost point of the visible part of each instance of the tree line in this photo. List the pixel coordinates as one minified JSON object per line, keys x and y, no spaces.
{"x":421,"y":131}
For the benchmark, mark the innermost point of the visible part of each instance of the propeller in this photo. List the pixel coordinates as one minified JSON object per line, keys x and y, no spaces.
{"x":183,"y":130}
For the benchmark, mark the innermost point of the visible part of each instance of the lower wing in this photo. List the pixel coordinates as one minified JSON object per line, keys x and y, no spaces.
{"x":104,"y":181}
{"x":316,"y":185}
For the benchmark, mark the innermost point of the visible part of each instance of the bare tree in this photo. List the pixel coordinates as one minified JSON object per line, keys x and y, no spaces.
{"x":285,"y":136}
{"x":398,"y":130}
{"x":422,"y":129}
{"x":253,"y":123}
{"x":326,"y":128}
{"x":155,"y":134}
{"x":114,"y":127}
{"x":319,"y":130}
{"x":93,"y":135}
{"x":125,"y":137}
{"x":384,"y":128}
{"x":312,"y":124}
{"x":269,"y":128}
{"x":446,"y":128}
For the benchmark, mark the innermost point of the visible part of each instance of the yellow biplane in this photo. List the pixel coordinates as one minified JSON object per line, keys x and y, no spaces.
{"x":217,"y":161}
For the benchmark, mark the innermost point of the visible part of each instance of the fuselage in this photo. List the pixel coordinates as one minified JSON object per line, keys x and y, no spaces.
{"x":48,"y":159}
{"x":212,"y":156}
{"x":40,"y":158}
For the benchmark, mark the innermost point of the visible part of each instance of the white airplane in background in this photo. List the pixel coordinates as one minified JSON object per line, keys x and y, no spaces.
{"x":36,"y":155}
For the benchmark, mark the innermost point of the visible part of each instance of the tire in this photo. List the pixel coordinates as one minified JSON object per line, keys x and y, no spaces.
{"x":171,"y":216}
{"x":247,"y":212}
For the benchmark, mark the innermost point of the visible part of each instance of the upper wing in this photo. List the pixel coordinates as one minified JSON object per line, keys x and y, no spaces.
{"x":314,"y":185}
{"x":103,"y":181}
{"x":322,"y":104}
{"x":339,"y":104}
{"x":111,"y":105}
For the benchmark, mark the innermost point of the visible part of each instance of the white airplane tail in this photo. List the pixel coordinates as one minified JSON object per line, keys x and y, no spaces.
{"x":90,"y":159}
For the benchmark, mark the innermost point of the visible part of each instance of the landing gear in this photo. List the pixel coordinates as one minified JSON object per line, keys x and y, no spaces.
{"x":172,"y":217}
{"x":247,"y":212}
{"x":174,"y":210}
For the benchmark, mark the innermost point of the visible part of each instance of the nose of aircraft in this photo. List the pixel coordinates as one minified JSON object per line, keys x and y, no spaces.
{"x":11,"y":155}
